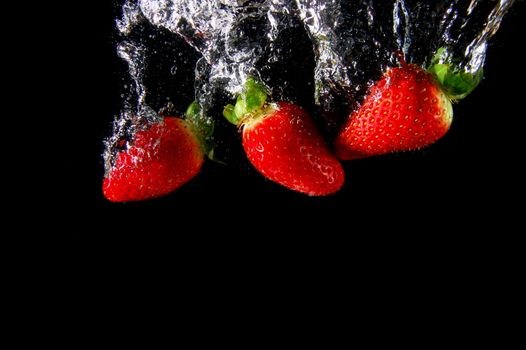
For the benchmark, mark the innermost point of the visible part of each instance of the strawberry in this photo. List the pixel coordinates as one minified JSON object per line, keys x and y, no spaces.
{"x":282,"y":142}
{"x":408,"y":108}
{"x":159,"y":160}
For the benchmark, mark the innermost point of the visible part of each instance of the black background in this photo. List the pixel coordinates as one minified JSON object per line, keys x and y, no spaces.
{"x":433,"y":231}
{"x":443,"y":195}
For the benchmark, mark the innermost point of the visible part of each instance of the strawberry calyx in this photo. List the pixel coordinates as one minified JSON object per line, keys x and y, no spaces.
{"x":250,"y":103}
{"x":454,"y":81}
{"x":202,"y":128}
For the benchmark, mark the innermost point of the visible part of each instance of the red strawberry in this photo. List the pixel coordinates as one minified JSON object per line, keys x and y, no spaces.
{"x":283,"y":144}
{"x":161,"y":159}
{"x":407,"y":109}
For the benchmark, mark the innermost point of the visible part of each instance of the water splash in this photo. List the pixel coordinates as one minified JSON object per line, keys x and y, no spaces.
{"x":475,"y":52}
{"x":355,"y":41}
{"x":136,"y":114}
{"x":221,"y":31}
{"x":351,"y":45}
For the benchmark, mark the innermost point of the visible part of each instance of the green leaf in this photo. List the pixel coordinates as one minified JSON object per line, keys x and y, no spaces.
{"x":455,"y":81}
{"x":192,"y":110}
{"x":255,"y":95}
{"x":230,"y":114}
{"x":240,"y":109}
{"x":440,"y":56}
{"x":202,"y":127}
{"x":440,"y":71}
{"x":250,"y":101}
{"x":212,"y":157}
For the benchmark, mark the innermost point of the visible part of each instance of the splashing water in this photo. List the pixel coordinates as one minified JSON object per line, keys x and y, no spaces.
{"x":355,"y":41}
{"x":351,"y":45}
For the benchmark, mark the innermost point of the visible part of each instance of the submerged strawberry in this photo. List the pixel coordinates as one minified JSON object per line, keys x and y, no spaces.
{"x":283,"y":144}
{"x":159,"y":160}
{"x":408,"y":108}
